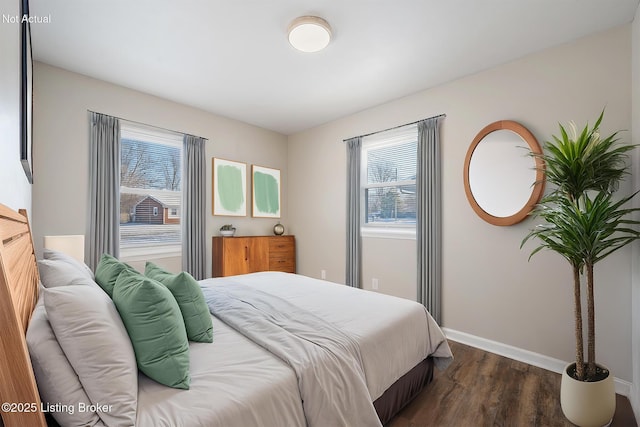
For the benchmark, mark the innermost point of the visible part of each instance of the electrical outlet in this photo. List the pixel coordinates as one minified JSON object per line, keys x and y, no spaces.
{"x":374,"y":284}
{"x":323,"y":274}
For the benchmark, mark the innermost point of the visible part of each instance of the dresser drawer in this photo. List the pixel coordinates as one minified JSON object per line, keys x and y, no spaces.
{"x":282,"y":254}
{"x":283,"y":264}
{"x":283,"y":244}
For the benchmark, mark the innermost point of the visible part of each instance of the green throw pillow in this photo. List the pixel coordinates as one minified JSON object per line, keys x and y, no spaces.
{"x":154,"y":323}
{"x":185,"y":289}
{"x":108,"y":270}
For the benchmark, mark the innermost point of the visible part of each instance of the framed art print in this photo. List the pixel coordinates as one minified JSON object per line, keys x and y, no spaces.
{"x":229,"y":187}
{"x":265,"y":192}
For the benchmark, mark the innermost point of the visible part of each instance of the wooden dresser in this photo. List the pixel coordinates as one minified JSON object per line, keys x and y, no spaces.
{"x":249,"y":254}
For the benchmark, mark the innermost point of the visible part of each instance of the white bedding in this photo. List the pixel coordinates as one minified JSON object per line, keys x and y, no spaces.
{"x":236,"y":383}
{"x":394,"y":334}
{"x":327,"y":362}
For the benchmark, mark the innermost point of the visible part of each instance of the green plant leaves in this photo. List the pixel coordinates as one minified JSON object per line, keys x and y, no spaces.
{"x":583,"y":222}
{"x":585,"y":230}
{"x":576,"y":164}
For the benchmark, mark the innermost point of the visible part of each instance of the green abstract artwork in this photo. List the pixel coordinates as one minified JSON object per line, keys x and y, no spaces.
{"x":229,"y":188}
{"x":266,"y":192}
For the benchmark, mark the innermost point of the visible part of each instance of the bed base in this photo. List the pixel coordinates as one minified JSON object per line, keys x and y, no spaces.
{"x":404,"y":390}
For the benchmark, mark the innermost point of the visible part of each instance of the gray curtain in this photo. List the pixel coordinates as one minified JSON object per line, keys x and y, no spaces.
{"x":104,"y":193}
{"x":194,"y":215}
{"x":354,"y":240}
{"x":428,"y":223}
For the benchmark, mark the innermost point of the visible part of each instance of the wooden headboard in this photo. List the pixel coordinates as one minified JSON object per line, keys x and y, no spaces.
{"x":18,"y":296}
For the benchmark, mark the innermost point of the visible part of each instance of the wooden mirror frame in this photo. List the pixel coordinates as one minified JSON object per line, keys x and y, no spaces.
{"x":538,"y":187}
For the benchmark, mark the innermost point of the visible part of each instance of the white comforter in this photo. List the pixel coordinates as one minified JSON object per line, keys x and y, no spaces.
{"x":237,"y":383}
{"x":327,"y":362}
{"x":394,"y":334}
{"x":234,"y":383}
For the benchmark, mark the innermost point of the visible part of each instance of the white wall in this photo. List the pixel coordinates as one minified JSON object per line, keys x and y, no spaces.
{"x":15,"y":190}
{"x":61,"y":149}
{"x":635,"y":129}
{"x":489,"y":288}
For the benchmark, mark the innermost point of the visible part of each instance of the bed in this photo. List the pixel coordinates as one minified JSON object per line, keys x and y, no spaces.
{"x":234,"y":380}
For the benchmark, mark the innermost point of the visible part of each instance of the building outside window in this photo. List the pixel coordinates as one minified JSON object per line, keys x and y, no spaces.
{"x":150,"y":191}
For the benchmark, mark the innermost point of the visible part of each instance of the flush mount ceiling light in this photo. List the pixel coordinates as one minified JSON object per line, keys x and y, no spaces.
{"x":309,"y":33}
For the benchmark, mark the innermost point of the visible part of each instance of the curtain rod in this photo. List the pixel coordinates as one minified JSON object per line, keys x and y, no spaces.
{"x":399,"y":126}
{"x":148,"y":125}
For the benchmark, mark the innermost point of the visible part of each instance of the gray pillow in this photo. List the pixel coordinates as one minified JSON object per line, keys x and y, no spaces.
{"x":57,"y":381}
{"x":92,"y":336}
{"x":54,"y":273}
{"x":61,"y":256}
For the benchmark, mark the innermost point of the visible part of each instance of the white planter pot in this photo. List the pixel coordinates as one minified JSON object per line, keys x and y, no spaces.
{"x":587,"y":404}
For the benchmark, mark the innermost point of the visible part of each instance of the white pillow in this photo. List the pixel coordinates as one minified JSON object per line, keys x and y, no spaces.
{"x":61,"y":256}
{"x":92,"y":336}
{"x":58,"y":383}
{"x":54,"y":273}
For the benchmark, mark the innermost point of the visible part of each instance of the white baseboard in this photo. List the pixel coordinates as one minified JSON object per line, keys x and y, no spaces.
{"x":634,"y":398}
{"x":536,"y":359}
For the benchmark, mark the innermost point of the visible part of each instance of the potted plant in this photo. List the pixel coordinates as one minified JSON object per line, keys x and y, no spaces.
{"x":584,"y":222}
{"x":227,"y":230}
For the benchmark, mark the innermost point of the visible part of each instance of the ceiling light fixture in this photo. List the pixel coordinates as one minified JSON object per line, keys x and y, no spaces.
{"x":309,"y":33}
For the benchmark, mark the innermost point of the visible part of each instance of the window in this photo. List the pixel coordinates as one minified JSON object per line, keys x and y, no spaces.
{"x":150,"y":191}
{"x":388,"y":194}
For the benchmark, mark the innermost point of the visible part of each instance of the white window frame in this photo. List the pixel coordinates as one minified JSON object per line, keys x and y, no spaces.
{"x":140,"y":132}
{"x":392,"y":137}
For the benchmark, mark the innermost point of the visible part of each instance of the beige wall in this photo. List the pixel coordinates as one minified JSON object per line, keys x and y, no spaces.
{"x":15,"y":190}
{"x":61,"y":150}
{"x":635,"y":128}
{"x":489,"y":288}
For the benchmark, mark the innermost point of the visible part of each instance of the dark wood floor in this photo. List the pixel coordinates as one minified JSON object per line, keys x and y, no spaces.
{"x":484,"y":389}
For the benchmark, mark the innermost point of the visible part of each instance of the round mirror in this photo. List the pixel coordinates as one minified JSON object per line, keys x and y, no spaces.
{"x":503,"y":182}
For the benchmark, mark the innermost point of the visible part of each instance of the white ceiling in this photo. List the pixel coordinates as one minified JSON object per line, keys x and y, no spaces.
{"x":232,"y":58}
